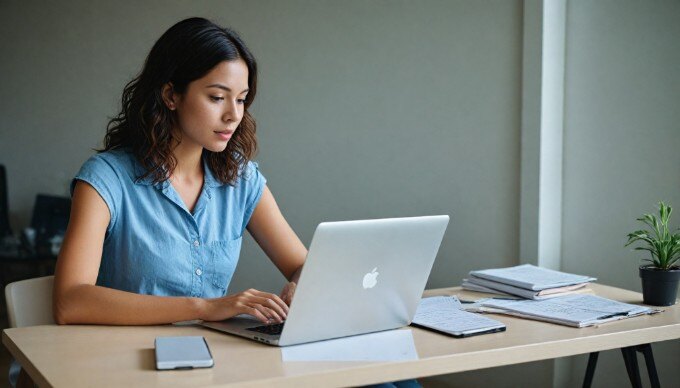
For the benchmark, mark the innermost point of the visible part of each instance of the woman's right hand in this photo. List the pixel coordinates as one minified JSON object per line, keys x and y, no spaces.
{"x":266,"y":307}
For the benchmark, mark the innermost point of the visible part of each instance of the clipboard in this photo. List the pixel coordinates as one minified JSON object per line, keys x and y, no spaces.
{"x":444,"y":315}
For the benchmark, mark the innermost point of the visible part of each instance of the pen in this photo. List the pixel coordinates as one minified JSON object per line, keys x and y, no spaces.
{"x":475,"y":301}
{"x":613,"y":315}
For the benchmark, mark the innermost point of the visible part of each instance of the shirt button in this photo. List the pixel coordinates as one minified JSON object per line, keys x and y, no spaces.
{"x":199,"y":272}
{"x":196,"y":243}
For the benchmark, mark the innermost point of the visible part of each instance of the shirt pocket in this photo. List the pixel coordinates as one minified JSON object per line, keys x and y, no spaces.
{"x":223,"y":259}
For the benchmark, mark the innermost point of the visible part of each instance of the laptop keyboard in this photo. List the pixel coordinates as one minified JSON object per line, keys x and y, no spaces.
{"x":268,"y":329}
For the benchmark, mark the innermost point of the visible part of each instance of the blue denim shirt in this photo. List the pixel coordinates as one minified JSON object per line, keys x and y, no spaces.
{"x":153,"y":244}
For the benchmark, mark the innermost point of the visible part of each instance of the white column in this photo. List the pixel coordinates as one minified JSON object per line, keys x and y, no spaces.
{"x":542,"y":126}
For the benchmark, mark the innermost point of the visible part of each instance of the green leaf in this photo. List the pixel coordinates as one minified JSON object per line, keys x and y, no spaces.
{"x":675,"y":248}
{"x":638,"y":235}
{"x":673,"y":261}
{"x":662,"y":245}
{"x":663,"y":212}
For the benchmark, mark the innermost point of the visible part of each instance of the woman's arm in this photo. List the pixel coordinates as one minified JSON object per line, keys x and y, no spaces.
{"x":278,"y":240}
{"x":76,"y":298}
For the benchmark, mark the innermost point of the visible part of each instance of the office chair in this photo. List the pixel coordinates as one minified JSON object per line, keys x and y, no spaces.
{"x":29,"y":302}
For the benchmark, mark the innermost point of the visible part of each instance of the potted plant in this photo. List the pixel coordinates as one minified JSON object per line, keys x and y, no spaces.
{"x":660,"y":277}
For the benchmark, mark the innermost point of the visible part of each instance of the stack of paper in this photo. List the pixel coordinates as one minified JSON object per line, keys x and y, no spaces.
{"x":526,"y":281}
{"x":570,"y":310}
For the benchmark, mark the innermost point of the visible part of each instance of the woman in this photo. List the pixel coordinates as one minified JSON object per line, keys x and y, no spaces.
{"x":158,"y":214}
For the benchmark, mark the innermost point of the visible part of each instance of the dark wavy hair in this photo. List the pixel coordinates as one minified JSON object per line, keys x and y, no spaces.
{"x":185,"y":52}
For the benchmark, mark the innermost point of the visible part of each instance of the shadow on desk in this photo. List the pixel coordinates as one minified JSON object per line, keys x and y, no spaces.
{"x":148,"y":357}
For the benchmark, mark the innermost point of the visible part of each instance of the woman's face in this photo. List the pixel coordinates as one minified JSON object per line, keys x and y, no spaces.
{"x":211,"y":108}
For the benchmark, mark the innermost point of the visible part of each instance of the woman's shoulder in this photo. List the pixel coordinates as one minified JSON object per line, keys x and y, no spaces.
{"x":120,"y":162}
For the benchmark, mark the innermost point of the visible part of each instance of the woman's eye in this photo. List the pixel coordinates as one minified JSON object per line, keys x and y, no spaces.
{"x":214,"y":98}
{"x":241,"y":101}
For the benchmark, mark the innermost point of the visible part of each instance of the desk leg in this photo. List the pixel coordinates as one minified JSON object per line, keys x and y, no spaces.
{"x":632,"y":367}
{"x":646,"y":350}
{"x":590,"y":370}
{"x":630,"y":358}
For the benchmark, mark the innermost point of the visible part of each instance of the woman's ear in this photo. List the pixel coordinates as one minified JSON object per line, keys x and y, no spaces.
{"x":168,"y":94}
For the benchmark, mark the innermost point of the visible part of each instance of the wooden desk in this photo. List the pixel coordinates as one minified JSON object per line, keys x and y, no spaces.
{"x":78,"y":356}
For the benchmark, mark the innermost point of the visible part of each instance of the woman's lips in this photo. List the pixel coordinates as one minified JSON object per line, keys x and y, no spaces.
{"x":224,"y":135}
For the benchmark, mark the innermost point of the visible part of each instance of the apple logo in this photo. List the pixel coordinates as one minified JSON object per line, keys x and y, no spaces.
{"x":371,"y":278}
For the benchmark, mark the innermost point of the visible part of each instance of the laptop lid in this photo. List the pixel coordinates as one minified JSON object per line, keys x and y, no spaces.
{"x":359,"y":277}
{"x":362,"y":277}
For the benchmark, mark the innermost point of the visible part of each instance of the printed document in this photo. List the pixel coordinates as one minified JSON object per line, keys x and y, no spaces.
{"x":483,"y":285}
{"x":571,"y":310}
{"x":531,"y":277}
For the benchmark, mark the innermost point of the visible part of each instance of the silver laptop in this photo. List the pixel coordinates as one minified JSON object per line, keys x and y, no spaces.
{"x":359,"y":277}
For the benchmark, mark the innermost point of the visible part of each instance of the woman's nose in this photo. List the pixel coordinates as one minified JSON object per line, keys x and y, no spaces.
{"x":230,"y":112}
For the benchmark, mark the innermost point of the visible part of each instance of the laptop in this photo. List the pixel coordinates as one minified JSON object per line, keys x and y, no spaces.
{"x":359,"y":277}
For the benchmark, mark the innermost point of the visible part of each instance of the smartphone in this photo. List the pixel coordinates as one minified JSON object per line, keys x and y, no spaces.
{"x":187,"y":352}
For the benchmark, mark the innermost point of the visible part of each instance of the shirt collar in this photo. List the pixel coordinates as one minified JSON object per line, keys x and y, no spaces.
{"x":139,"y":173}
{"x":209,"y":179}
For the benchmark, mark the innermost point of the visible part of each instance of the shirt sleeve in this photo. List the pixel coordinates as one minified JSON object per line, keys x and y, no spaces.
{"x":254,"y":182}
{"x":101,"y":175}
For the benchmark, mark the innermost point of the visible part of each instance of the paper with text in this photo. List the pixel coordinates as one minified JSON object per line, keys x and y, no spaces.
{"x":572,"y":310}
{"x":531,"y":277}
{"x":444,"y":313}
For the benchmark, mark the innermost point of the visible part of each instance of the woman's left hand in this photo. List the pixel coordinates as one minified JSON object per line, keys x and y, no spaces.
{"x":288,"y":292}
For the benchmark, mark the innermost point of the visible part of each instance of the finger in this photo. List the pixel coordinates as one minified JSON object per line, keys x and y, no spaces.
{"x":275,"y":298}
{"x":260,"y":313}
{"x":291,"y":291}
{"x":288,"y":297}
{"x":272,"y":316}
{"x":262,"y":297}
{"x":283,"y":294}
{"x":271,"y":304}
{"x":256,"y":313}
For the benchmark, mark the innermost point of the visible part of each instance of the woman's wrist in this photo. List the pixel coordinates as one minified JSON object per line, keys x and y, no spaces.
{"x":200,"y":308}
